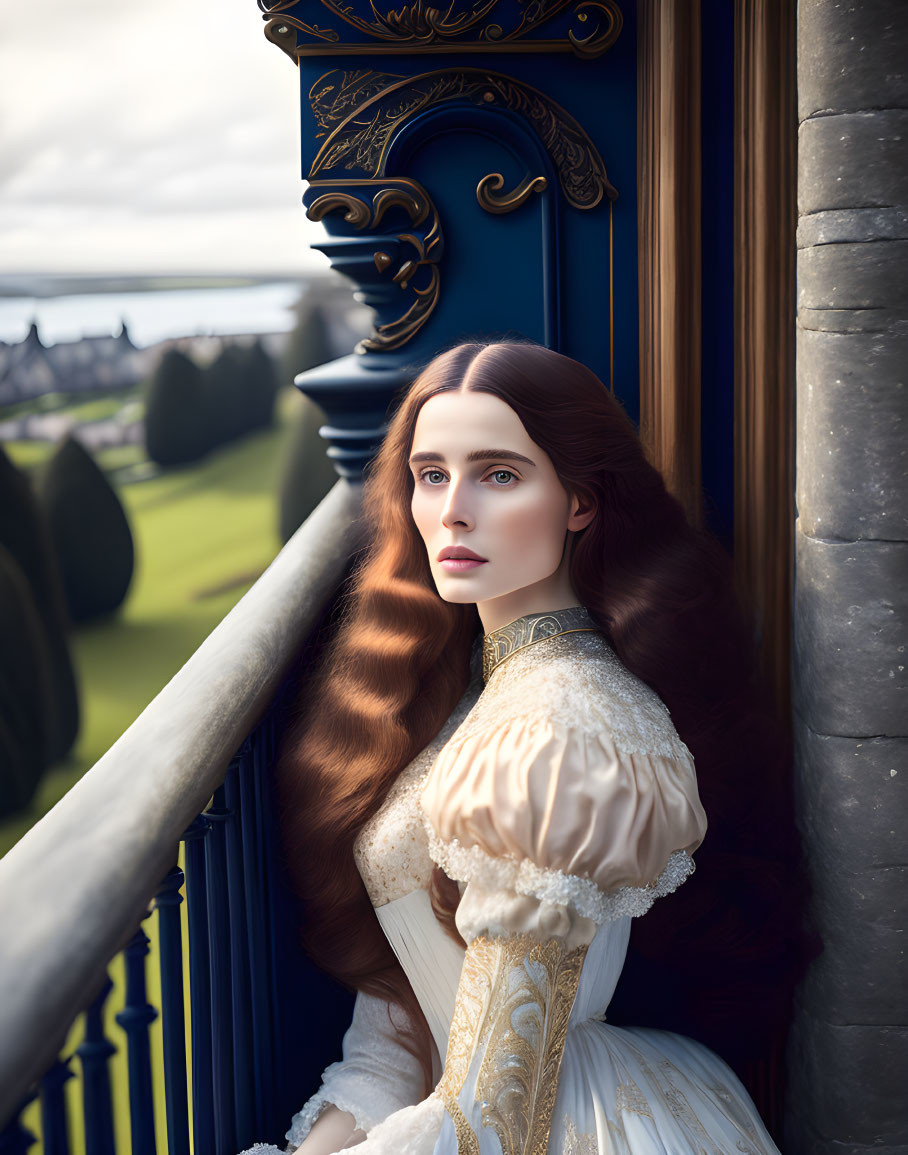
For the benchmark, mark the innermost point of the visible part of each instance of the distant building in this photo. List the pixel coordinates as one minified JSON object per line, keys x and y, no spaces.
{"x":30,"y":369}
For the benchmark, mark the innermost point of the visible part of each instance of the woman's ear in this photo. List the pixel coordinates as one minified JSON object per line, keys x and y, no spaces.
{"x":582,"y":511}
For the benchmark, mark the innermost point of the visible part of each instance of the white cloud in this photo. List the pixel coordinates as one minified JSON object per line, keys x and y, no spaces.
{"x":132,"y":136}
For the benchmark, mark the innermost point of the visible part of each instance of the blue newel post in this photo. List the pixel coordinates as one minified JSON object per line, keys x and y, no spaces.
{"x":385,"y":236}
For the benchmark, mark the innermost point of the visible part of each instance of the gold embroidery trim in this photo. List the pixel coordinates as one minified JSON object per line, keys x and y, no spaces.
{"x":500,"y":644}
{"x":532,"y":996}
{"x":469,"y":1012}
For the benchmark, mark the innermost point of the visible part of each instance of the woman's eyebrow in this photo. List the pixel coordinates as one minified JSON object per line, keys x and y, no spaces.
{"x":474,"y":455}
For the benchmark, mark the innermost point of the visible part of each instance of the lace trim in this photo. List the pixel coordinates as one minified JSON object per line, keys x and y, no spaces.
{"x":473,"y":864}
{"x":304,"y":1120}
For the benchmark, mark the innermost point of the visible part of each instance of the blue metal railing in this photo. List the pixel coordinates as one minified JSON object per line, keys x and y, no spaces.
{"x":231,"y":984}
{"x":244,"y":1073}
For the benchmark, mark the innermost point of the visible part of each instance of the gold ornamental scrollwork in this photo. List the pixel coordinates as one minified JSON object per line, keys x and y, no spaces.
{"x":359,"y":113}
{"x":462,"y":26}
{"x":422,"y":243}
{"x":489,"y":188}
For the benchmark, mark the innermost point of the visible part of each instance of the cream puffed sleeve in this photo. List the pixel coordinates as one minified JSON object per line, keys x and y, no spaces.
{"x":562,"y":816}
{"x":556,"y":829}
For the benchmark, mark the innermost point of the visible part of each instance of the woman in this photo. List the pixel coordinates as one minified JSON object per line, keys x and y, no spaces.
{"x":506,"y":836}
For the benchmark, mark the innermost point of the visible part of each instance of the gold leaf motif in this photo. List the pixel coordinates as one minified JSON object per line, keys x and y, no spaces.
{"x":362,"y":112}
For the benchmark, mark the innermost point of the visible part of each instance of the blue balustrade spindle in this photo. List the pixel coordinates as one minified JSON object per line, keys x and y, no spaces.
{"x":255,"y":882}
{"x":94,"y":1054}
{"x":267,"y":822}
{"x":54,"y":1120}
{"x":243,"y":1078}
{"x":199,"y":985}
{"x":15,"y":1138}
{"x":135,"y":1019}
{"x":219,"y":963}
{"x":173,"y":1019}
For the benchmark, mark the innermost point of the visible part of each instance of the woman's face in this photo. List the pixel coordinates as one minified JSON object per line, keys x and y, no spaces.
{"x":490,"y":508}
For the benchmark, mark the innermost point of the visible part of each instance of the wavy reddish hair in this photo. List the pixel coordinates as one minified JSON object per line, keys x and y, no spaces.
{"x":717,"y":960}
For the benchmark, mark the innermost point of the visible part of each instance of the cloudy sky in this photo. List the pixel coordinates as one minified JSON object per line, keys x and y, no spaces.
{"x":147,"y":138}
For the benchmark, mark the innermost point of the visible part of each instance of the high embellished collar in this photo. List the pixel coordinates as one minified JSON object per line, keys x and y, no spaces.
{"x":527,"y":631}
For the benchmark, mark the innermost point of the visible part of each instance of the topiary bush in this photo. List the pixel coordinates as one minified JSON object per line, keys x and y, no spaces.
{"x":178,"y":427}
{"x":309,"y":344}
{"x":24,"y":532}
{"x":307,"y":473}
{"x":25,"y":689}
{"x":89,"y":530}
{"x":261,"y":386}
{"x":227,"y":395}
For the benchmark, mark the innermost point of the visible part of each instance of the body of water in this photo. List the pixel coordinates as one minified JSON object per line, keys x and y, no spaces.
{"x":153,"y":316}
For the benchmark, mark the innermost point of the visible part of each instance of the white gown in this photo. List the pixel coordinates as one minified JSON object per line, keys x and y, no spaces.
{"x":565,"y":801}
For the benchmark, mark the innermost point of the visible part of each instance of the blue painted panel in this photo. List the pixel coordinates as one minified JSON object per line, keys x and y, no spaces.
{"x":492,"y":272}
{"x":480,"y":294}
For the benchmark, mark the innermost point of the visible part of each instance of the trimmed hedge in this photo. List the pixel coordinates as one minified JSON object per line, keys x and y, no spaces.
{"x":25,"y":689}
{"x":24,"y":533}
{"x":89,"y":530}
{"x":308,"y":345}
{"x":307,"y":472}
{"x":178,"y":427}
{"x":262,"y":386}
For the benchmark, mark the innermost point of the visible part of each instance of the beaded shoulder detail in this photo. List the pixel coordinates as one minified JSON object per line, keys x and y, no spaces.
{"x":574,"y":679}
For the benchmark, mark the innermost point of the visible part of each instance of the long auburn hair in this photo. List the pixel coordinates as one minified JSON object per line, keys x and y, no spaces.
{"x":717,"y":960}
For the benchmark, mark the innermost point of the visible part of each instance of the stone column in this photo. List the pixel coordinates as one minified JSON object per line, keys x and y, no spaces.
{"x":849,"y":1054}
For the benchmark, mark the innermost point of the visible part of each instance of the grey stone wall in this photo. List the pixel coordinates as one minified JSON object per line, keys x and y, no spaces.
{"x":848,"y":1085}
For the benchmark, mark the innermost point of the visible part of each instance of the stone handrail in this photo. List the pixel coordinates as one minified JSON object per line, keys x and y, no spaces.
{"x":74,"y":887}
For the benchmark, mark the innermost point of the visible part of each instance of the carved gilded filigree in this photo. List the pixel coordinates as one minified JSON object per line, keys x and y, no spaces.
{"x":421,"y":27}
{"x":360,"y":112}
{"x":365,"y":203}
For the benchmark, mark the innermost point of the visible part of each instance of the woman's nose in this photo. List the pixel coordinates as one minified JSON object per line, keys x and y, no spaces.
{"x":457,"y":512}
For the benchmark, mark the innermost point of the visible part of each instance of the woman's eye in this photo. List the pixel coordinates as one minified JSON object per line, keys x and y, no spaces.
{"x":502,"y":476}
{"x":432,"y":476}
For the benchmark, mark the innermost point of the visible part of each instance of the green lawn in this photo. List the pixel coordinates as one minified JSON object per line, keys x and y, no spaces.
{"x":202,"y":536}
{"x":208,"y":528}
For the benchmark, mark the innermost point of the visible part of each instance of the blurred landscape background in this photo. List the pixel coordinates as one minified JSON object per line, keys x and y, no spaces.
{"x":153,"y":459}
{"x":157,"y":296}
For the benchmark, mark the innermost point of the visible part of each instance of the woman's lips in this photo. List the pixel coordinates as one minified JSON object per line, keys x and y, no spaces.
{"x":459,"y":558}
{"x":458,"y":564}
